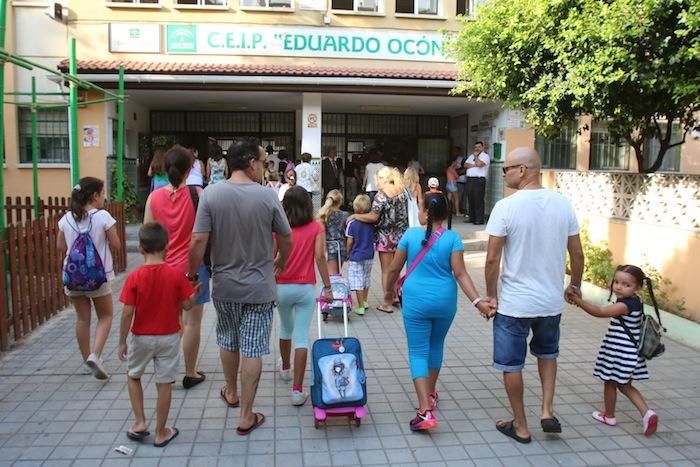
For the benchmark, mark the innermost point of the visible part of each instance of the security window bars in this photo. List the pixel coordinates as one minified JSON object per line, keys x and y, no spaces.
{"x":363,"y":6}
{"x":52,"y":130}
{"x":202,"y":2}
{"x":608,"y":153}
{"x":135,"y":2}
{"x":418,"y":7}
{"x":267,"y":3}
{"x":560,"y":151}
{"x":672,"y":159}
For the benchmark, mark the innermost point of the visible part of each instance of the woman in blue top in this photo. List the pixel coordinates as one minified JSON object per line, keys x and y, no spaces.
{"x":430,"y":300}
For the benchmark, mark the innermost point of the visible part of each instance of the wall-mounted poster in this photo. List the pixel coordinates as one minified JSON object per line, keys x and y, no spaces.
{"x":91,"y":136}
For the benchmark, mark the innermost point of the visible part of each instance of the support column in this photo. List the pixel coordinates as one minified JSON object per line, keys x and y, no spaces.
{"x":311,"y":135}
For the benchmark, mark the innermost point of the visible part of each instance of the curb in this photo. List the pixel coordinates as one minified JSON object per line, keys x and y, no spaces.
{"x":679,"y":329}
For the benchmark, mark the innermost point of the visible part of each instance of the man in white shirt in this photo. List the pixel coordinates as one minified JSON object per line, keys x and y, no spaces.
{"x":477,"y":166}
{"x":307,"y":175}
{"x":532,"y":230}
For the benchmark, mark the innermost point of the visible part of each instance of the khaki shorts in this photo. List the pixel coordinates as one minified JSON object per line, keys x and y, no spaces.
{"x":163,"y":350}
{"x":105,"y":289}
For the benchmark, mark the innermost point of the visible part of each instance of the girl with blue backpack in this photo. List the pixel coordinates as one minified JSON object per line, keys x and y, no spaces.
{"x":86,"y":234}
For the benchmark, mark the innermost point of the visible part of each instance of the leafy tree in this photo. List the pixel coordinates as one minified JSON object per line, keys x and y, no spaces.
{"x":632,"y":63}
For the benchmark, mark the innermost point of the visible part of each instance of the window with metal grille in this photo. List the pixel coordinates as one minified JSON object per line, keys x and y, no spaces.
{"x":52,"y":130}
{"x":558,"y":152}
{"x":367,"y":6}
{"x":202,"y":2}
{"x":267,"y":3}
{"x":606,"y":152}
{"x":672,"y":158}
{"x":135,"y":2}
{"x":418,"y":7}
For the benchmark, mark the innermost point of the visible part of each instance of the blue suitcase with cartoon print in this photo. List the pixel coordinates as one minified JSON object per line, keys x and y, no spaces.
{"x":338,"y":380}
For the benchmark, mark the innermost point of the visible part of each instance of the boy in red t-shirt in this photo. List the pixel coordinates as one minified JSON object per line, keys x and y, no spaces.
{"x":152,"y":298}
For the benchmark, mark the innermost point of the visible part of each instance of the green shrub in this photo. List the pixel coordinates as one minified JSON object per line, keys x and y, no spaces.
{"x":130,"y":198}
{"x":599,"y":269}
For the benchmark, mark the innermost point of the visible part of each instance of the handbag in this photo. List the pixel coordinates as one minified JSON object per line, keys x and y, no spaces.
{"x":412,"y":208}
{"x":649,"y":344}
{"x":398,"y":288}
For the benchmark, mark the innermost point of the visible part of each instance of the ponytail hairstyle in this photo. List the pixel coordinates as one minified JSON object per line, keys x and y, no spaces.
{"x":82,"y":194}
{"x":436,"y":211}
{"x":178,"y":161}
{"x":334,"y":199}
{"x":641,"y":279}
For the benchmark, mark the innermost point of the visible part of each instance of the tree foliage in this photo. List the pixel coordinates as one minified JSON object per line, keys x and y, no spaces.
{"x":632,"y":63}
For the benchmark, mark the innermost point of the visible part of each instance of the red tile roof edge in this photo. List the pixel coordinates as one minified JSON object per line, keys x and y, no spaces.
{"x":103,"y":66}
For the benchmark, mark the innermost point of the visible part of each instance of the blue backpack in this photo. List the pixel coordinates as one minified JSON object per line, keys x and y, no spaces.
{"x":84,"y":271}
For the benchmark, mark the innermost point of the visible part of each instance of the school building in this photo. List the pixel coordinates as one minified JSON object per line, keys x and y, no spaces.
{"x":305,"y":75}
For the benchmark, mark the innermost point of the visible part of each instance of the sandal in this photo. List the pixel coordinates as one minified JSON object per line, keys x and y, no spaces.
{"x":508,"y":429}
{"x":385,"y":310}
{"x":233,"y":405}
{"x":137,"y":435}
{"x":259,"y":420}
{"x":175,"y":432}
{"x":550,"y":425}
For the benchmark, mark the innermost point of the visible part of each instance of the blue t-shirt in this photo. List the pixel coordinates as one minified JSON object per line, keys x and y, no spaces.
{"x":432,"y":282}
{"x":362,"y":240}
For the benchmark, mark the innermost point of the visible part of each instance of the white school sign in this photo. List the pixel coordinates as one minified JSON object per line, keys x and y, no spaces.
{"x":294,"y":41}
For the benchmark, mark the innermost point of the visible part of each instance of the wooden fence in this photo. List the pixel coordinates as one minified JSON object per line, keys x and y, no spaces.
{"x":31,"y":283}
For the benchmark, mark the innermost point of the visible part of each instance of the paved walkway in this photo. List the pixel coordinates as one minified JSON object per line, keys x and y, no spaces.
{"x":52,"y":414}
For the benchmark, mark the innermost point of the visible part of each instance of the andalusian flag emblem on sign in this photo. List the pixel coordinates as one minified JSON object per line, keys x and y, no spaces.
{"x":182,"y":38}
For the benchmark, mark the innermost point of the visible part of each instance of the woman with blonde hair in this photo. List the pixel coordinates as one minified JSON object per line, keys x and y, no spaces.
{"x":389,"y":213}
{"x":414,"y":191}
{"x":334,"y":220}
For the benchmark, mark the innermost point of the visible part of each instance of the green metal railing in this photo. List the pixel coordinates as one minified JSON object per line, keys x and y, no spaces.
{"x":75,"y":83}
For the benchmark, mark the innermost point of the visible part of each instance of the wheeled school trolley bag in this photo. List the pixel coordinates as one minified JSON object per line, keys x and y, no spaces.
{"x":342,"y":298}
{"x":338,"y":382}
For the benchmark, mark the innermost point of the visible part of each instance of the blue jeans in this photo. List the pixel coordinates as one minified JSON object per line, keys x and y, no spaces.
{"x":510,"y":340}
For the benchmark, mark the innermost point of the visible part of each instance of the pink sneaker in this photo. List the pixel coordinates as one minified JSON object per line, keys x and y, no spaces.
{"x":433,"y":397}
{"x":602,"y":418}
{"x":423,"y":421}
{"x":650,"y":422}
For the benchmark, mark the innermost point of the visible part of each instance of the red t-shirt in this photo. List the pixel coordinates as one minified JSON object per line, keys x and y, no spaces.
{"x":300,"y":264}
{"x":175,"y":211}
{"x":156,"y":291}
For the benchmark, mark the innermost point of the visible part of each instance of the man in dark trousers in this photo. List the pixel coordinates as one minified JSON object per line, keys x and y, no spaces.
{"x":331,"y":172}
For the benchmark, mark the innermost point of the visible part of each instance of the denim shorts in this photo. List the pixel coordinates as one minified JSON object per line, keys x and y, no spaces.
{"x":510,"y":340}
{"x":204,"y":295}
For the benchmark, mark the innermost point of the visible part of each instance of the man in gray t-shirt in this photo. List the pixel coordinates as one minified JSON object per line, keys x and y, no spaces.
{"x":240,"y":216}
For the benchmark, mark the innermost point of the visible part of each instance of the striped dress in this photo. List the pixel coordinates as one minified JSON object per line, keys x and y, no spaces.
{"x":618,"y":360}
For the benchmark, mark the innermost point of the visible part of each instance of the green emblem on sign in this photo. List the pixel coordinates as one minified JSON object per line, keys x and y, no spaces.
{"x":182,"y":38}
{"x":134,"y":33}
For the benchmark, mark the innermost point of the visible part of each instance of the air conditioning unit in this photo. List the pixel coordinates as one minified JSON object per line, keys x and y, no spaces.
{"x":56,"y":12}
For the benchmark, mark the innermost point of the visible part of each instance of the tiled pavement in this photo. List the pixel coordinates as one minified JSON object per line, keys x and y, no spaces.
{"x":53,"y":415}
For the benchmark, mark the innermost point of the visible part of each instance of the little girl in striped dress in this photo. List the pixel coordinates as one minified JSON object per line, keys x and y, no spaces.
{"x":618,"y":362}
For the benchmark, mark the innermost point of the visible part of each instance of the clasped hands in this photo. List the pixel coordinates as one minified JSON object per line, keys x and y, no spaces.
{"x":572,"y":294}
{"x":487,"y":307}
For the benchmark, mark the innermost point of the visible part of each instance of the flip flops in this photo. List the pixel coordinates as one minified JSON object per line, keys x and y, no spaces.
{"x":165,"y":443}
{"x":223,"y":397}
{"x":508,"y":429}
{"x":137,"y":435}
{"x":259,"y":420}
{"x":550,"y":425}
{"x":385,"y":310}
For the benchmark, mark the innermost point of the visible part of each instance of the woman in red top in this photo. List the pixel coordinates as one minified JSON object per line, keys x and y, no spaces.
{"x":296,"y":287}
{"x":173,"y":207}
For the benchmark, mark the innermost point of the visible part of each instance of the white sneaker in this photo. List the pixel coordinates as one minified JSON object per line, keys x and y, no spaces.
{"x":602,"y":418}
{"x":95,"y":364}
{"x":299,"y":397}
{"x":285,"y":375}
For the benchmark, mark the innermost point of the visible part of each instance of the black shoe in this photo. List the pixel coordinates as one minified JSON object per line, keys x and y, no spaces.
{"x":478,"y":223}
{"x":189,"y":382}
